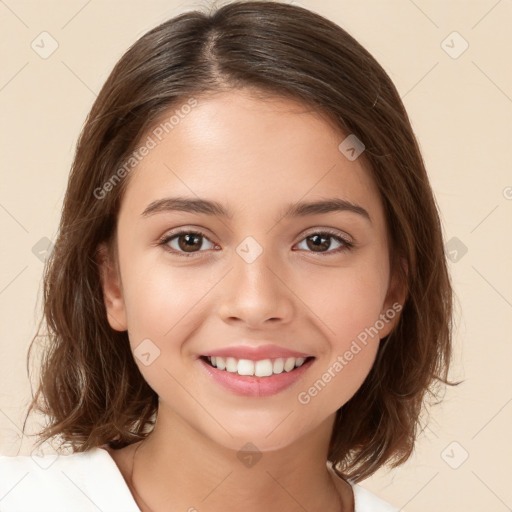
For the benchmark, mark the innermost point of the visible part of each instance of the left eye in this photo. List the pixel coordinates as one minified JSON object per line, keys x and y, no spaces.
{"x":322,"y":240}
{"x":190,"y":242}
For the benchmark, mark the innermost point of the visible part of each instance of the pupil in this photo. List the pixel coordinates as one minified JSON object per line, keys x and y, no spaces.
{"x":190,"y":241}
{"x":316,"y":241}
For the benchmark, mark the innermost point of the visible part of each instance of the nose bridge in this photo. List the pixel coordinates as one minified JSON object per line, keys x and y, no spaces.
{"x":255,"y":291}
{"x":255,"y":268}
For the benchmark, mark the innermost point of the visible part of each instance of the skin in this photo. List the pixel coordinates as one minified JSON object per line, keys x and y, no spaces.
{"x":254,"y":156}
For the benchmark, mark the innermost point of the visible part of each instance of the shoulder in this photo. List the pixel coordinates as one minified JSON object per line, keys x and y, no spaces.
{"x":82,"y":481}
{"x":366,"y":501}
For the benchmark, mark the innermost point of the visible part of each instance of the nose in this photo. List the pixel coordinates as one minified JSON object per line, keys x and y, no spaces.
{"x":256,"y":293}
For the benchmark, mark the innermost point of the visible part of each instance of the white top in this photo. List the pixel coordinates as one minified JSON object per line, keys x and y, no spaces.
{"x":91,"y":482}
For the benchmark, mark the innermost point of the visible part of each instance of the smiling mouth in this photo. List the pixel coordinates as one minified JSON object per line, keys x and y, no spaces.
{"x":260,"y":368}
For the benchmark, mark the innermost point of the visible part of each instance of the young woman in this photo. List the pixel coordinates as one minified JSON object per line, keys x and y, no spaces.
{"x":248,"y":299}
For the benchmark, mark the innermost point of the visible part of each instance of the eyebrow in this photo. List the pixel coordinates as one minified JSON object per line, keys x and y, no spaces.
{"x":207,"y":207}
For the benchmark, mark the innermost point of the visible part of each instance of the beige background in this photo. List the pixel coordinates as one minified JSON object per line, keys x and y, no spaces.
{"x":461,"y":109}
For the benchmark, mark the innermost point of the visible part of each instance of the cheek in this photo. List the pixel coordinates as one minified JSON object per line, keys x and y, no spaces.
{"x":347,"y":304}
{"x":163,"y":308}
{"x":347,"y":301}
{"x":162,"y":303}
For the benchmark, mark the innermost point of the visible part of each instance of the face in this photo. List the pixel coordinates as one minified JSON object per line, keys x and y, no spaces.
{"x":250,"y":280}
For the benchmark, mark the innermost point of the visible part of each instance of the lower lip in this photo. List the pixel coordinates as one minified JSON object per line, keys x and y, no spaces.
{"x":248,"y":385}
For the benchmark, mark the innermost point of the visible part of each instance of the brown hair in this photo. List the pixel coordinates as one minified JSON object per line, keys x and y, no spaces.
{"x":92,"y":391}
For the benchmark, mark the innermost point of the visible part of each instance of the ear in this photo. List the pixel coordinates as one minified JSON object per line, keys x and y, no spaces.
{"x":395,"y":299}
{"x":112,"y":289}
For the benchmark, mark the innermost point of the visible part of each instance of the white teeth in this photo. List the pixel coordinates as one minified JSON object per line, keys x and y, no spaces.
{"x":261,"y":368}
{"x":278,"y":365}
{"x":231,"y":364}
{"x":289,"y":364}
{"x":245,"y":367}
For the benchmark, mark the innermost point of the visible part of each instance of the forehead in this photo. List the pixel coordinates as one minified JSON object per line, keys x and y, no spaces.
{"x":250,"y":153}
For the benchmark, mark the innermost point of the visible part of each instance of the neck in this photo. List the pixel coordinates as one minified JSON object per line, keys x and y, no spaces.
{"x":178,"y":468}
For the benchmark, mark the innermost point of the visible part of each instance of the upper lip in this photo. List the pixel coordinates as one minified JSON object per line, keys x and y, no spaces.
{"x":255,"y":353}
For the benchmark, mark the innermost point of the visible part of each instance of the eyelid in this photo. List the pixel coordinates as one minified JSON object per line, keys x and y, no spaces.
{"x":331,"y":231}
{"x":309,"y":232}
{"x":186,"y":230}
{"x":348,"y":241}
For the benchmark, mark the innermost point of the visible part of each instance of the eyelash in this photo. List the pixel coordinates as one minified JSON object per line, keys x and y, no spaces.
{"x":330,"y":234}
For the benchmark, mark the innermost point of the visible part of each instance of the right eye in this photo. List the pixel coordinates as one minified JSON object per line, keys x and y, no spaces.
{"x":186,"y":242}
